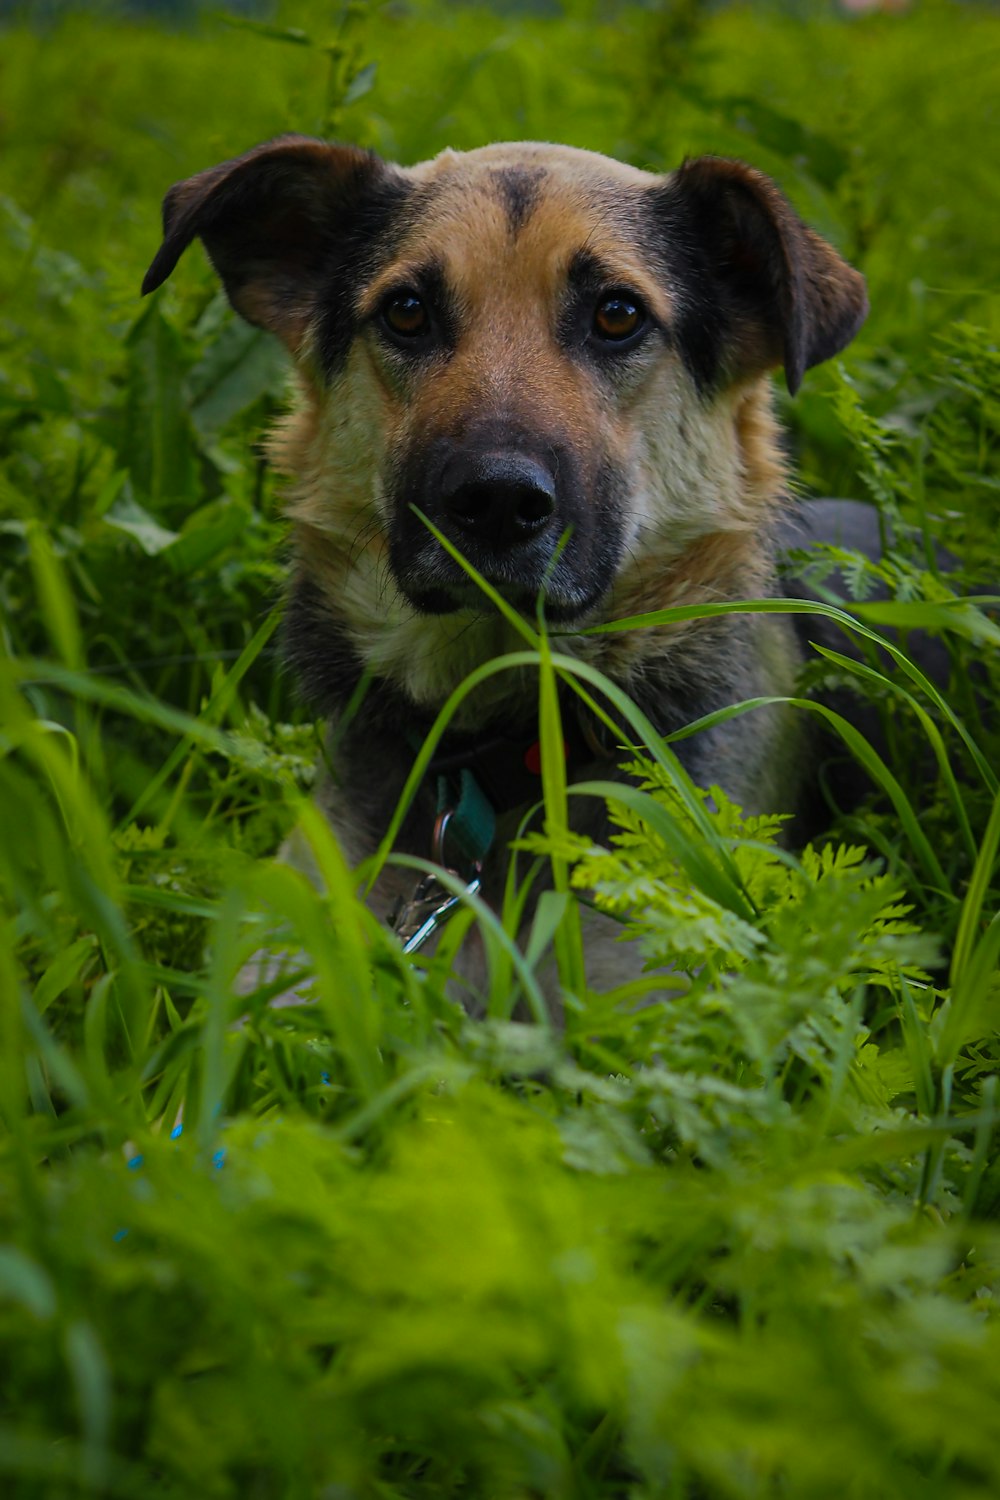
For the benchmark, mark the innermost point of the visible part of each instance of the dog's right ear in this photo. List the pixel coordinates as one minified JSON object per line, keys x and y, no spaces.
{"x":272,"y":222}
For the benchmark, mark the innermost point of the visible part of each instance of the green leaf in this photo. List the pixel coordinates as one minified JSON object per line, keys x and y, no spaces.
{"x":21,"y":1280}
{"x":156,"y":442}
{"x":975,"y":896}
{"x":63,"y":971}
{"x":50,"y":392}
{"x":240,"y":366}
{"x":56,"y":594}
{"x":918,"y":1048}
{"x":91,"y":1378}
{"x":199,"y":730}
{"x":291,"y":34}
{"x":205,"y":534}
{"x":960,"y":615}
{"x":549,"y":913}
{"x":361,"y":84}
{"x":127,"y":515}
{"x":965,"y":1021}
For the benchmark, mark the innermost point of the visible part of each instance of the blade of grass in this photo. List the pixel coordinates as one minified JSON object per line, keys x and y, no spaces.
{"x":918,"y":1048}
{"x":13,"y":1092}
{"x":968,"y":999}
{"x":649,"y":740}
{"x":516,"y":621}
{"x":975,"y":897}
{"x":329,"y":926}
{"x":56,"y":596}
{"x":213,"y":710}
{"x":985,"y":1131}
{"x":356,"y":1013}
{"x":568,"y":937}
{"x":830,"y":612}
{"x":860,"y":669}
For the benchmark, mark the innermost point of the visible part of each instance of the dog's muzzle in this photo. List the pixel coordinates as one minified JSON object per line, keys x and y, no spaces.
{"x":500,"y":499}
{"x":519,"y":511}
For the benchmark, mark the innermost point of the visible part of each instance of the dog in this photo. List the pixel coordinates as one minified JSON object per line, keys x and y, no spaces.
{"x":562,"y":364}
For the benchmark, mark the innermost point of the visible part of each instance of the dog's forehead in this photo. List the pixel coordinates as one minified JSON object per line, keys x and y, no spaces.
{"x":563,"y":167}
{"x":526,"y":206}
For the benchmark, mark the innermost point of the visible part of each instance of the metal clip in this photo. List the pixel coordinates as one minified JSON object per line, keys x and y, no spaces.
{"x":416,"y":920}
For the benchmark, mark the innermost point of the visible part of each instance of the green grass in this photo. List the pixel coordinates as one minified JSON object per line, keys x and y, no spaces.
{"x":739,"y":1244}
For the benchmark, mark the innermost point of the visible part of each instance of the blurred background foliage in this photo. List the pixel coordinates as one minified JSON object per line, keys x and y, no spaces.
{"x":742,"y":1244}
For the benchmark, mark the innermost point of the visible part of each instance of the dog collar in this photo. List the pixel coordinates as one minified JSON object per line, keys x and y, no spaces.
{"x":479,"y":778}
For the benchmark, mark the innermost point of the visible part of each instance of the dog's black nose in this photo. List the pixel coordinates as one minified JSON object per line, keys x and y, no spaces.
{"x":499,"y":498}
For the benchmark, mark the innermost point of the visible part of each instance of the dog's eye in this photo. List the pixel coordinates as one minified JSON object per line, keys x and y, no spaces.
{"x":618,"y":317}
{"x":405,"y":314}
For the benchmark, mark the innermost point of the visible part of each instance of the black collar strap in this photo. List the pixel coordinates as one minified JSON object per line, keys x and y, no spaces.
{"x":508,"y":764}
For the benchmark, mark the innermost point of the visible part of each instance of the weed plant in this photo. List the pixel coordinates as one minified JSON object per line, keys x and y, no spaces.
{"x":730,"y":1232}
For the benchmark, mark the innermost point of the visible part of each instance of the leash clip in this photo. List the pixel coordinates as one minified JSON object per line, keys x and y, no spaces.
{"x":419,"y":918}
{"x":416,"y":920}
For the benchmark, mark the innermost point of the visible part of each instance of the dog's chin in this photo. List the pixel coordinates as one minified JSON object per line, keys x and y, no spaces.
{"x":437,"y":598}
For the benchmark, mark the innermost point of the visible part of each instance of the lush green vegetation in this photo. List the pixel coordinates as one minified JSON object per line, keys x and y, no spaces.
{"x":742,"y":1244}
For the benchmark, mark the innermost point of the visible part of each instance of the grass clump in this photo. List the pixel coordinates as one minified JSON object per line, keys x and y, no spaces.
{"x":727,"y":1232}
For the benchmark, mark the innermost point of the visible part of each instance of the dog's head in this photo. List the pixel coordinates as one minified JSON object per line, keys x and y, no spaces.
{"x":539,"y":349}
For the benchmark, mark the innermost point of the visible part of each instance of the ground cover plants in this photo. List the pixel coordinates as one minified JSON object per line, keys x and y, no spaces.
{"x":740,"y":1244}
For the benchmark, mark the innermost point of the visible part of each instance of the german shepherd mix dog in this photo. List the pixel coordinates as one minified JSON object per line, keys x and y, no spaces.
{"x":562,"y":363}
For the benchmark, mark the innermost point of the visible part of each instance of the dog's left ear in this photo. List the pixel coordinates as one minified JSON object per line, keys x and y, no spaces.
{"x":776,"y":292}
{"x":274,"y":222}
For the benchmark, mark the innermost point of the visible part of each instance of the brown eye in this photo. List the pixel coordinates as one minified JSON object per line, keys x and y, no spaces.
{"x":618,"y":317}
{"x":404,"y":314}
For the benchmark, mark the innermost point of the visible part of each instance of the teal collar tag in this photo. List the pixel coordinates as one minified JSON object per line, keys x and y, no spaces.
{"x":466,"y":819}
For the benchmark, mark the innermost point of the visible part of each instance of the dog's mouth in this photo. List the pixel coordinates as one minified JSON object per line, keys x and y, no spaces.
{"x":525,"y":518}
{"x":437,"y":584}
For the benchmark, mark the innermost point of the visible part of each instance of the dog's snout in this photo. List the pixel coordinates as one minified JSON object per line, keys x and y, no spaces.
{"x":502,"y":499}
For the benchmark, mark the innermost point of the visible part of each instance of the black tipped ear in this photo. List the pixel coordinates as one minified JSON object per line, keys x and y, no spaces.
{"x":272,"y":222}
{"x":771,"y":290}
